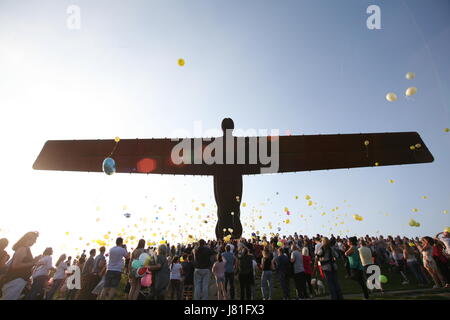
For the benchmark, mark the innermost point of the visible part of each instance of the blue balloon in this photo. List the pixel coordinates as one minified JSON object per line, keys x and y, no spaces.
{"x":109,"y":166}
{"x":136,"y":264}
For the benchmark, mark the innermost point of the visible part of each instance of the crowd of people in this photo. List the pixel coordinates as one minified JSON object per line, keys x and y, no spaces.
{"x":184,"y":271}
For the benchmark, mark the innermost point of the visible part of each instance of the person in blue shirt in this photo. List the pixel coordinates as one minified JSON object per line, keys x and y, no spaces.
{"x":230,"y":267}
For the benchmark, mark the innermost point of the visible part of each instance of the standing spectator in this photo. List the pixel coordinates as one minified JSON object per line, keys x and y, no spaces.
{"x":230,"y":267}
{"x":87,"y":278}
{"x":254,"y":275}
{"x":58,"y":277}
{"x":282,"y":265}
{"x":245,"y":272}
{"x":160,"y":273}
{"x":202,"y":273}
{"x":445,"y":239}
{"x":411,"y":262}
{"x":326,"y":257}
{"x":98,"y":270}
{"x":218,"y":270}
{"x":397,"y":256}
{"x":175,"y":278}
{"x":299,"y":272}
{"x":40,"y":275}
{"x":366,"y":257}
{"x":4,"y":257}
{"x":188,"y":274}
{"x":441,"y":261}
{"x":307,"y":267}
{"x":135,"y":283}
{"x":20,"y":270}
{"x":266,"y":278}
{"x":426,"y":249}
{"x":113,"y":275}
{"x":356,"y":268}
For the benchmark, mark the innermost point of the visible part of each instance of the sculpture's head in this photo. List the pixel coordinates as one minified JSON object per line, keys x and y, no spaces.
{"x":227,"y":124}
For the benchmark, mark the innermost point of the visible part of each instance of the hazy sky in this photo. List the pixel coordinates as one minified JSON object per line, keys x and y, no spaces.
{"x":309,"y":67}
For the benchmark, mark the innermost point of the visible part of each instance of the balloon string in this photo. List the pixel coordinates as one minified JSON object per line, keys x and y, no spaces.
{"x":114,"y":149}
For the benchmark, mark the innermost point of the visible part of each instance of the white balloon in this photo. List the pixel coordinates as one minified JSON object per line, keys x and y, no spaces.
{"x":391,"y":97}
{"x":411,"y":91}
{"x":410,"y":75}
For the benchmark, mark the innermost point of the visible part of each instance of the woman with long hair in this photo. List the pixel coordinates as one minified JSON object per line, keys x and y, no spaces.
{"x":218,"y":270}
{"x":426,"y":249}
{"x":135,"y":283}
{"x":21,"y":267}
{"x":356,"y":267}
{"x":58,"y":277}
{"x":266,"y":278}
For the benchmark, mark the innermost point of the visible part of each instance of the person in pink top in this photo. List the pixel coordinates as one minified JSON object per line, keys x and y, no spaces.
{"x":307,"y":267}
{"x":218,"y":270}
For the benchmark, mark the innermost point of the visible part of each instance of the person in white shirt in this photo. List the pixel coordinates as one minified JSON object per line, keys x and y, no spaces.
{"x":40,"y":275}
{"x":175,"y":278}
{"x":58,"y":277}
{"x":114,"y":270}
{"x":365,"y":254}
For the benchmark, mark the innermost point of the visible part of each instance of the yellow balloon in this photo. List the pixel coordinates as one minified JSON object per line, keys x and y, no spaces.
{"x":116,"y":139}
{"x":412,"y":148}
{"x":391,"y":181}
{"x":244,"y":204}
{"x":181,"y":62}
{"x":411,"y":91}
{"x":307,"y":197}
{"x":410,"y":75}
{"x":445,"y":211}
{"x":391,"y":97}
{"x":447,"y":129}
{"x":366,"y":143}
{"x":376,"y":164}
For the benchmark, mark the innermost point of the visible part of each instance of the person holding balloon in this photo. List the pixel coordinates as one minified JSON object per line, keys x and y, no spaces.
{"x":356,"y":267}
{"x":21,"y":267}
{"x":326,"y":258}
{"x":135,"y":283}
